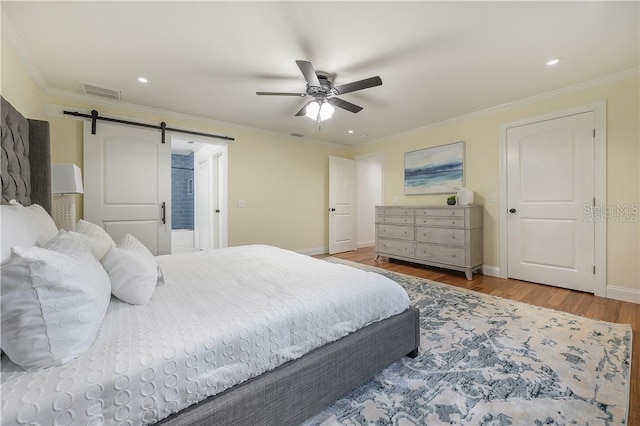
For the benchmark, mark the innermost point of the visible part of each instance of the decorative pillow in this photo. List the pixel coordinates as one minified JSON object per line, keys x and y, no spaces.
{"x":53,"y":301}
{"x":25,"y":226}
{"x":133,"y":275}
{"x":97,"y":238}
{"x":129,"y":242}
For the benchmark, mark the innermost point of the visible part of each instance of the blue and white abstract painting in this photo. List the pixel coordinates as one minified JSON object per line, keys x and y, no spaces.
{"x":437,"y":170}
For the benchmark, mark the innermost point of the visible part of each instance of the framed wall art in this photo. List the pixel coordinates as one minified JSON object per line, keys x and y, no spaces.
{"x":437,"y":170}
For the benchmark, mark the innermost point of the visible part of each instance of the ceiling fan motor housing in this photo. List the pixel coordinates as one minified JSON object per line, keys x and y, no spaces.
{"x":325,"y":89}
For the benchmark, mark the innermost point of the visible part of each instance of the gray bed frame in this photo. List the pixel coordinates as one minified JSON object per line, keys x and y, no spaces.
{"x":288,"y":395}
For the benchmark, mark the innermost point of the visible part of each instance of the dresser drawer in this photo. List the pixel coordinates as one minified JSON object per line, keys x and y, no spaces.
{"x":441,"y":221}
{"x":396,"y":220}
{"x":396,"y":231}
{"x":441,"y":235}
{"x":397,"y":247}
{"x":393,"y":211}
{"x":440,"y":212}
{"x":441,"y":254}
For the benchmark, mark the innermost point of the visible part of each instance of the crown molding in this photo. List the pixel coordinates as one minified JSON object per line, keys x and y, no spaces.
{"x":10,"y":35}
{"x":601,"y":81}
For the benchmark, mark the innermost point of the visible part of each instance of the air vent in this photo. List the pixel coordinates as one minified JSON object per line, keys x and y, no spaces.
{"x":103,"y":92}
{"x":297,"y":135}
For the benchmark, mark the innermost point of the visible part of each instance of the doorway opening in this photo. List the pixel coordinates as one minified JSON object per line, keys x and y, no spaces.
{"x":199,"y":195}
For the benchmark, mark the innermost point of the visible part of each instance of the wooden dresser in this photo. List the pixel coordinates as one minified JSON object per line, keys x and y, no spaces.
{"x":443,"y":236}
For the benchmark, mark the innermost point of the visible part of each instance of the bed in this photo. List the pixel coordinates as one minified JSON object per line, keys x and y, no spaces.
{"x":189,"y":356}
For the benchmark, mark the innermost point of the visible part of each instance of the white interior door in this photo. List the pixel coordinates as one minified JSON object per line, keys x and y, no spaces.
{"x":341,"y":205}
{"x":550,"y":182}
{"x":203,"y":205}
{"x":128,"y":183}
{"x":214,"y":194}
{"x":207,"y":203}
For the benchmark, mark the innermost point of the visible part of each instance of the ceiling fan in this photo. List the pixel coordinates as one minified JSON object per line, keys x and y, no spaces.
{"x":324,"y":91}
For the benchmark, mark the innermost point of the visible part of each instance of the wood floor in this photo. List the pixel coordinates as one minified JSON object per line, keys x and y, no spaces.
{"x":575,"y":302}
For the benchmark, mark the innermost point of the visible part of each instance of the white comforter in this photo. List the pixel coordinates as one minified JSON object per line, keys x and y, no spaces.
{"x":221,"y":318}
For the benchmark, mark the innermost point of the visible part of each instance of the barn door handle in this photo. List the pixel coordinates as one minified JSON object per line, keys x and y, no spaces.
{"x":164,"y":212}
{"x":512,"y":210}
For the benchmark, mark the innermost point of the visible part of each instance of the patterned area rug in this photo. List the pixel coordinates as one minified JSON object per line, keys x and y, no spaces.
{"x":485,"y":360}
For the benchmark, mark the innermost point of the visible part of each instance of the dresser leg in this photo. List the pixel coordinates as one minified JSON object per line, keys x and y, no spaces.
{"x":469,"y":274}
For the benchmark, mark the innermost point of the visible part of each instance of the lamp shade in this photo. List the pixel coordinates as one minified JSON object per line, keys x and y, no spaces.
{"x":66,"y":179}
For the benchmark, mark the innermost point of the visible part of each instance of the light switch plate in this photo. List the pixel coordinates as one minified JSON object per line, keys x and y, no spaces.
{"x":242,"y":204}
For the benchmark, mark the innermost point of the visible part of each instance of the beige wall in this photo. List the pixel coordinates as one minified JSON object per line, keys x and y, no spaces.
{"x":481,"y":136}
{"x":17,"y":87}
{"x":284,"y":181}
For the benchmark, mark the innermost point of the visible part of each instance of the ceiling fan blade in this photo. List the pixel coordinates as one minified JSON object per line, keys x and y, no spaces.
{"x":344,"y":105}
{"x":281,"y":94}
{"x":359,"y":85}
{"x":303,"y":110}
{"x":309,"y":73}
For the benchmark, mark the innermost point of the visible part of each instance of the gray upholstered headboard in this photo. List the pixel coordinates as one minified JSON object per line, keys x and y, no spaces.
{"x":26,"y":158}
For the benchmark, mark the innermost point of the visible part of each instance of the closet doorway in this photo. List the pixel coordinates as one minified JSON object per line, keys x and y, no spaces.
{"x":369,"y":194}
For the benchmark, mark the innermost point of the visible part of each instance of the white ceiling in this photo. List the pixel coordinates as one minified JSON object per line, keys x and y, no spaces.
{"x":437,"y":60}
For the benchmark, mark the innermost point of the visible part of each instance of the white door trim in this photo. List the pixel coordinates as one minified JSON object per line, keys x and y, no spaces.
{"x":600,"y":185}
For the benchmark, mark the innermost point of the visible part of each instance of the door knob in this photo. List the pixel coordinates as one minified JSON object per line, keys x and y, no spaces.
{"x":512,"y":210}
{"x":332,"y":210}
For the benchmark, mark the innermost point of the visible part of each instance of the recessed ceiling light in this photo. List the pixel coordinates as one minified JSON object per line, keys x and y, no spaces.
{"x":350,"y":131}
{"x":553,"y":61}
{"x":142,"y":80}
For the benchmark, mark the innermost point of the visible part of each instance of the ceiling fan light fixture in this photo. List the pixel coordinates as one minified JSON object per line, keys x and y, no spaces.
{"x":326,"y":111}
{"x":316,"y":111}
{"x":312,"y":110}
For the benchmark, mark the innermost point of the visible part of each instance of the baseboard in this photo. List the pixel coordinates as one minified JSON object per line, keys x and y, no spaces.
{"x":367,"y":244}
{"x":314,"y":251}
{"x":623,"y":293}
{"x":492,"y":271}
{"x":325,"y":250}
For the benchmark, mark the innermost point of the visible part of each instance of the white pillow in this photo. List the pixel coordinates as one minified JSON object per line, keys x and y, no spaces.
{"x":25,"y":226}
{"x":97,"y":238}
{"x":129,"y":242}
{"x":133,"y":275}
{"x":53,"y":301}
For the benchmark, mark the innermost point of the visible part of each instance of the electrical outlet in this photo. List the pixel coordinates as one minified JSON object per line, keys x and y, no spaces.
{"x":396,"y":200}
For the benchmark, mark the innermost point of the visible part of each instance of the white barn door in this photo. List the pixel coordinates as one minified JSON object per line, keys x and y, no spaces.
{"x":342,"y":233}
{"x":128,"y":183}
